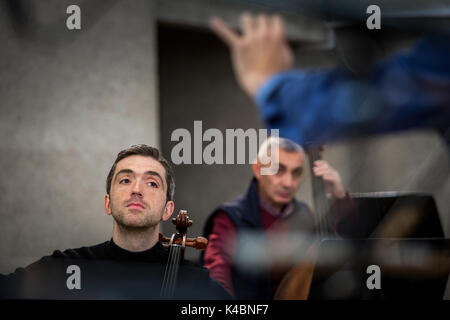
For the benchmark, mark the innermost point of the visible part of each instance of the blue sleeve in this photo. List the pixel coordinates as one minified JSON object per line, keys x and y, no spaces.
{"x":408,"y":91}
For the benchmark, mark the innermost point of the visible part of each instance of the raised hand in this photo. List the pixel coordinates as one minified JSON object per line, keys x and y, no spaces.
{"x":331,"y":178}
{"x":259,"y":52}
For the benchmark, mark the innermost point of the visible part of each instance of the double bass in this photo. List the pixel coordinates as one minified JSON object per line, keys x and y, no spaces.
{"x":296,"y":284}
{"x":177,"y":244}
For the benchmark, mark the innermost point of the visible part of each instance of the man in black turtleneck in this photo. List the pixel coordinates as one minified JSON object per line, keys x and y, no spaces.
{"x":139,"y":195}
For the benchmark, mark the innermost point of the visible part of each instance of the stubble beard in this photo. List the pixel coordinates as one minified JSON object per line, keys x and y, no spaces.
{"x":148,"y":221}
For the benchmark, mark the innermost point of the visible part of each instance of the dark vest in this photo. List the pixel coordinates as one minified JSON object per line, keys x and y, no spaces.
{"x":244,"y":212}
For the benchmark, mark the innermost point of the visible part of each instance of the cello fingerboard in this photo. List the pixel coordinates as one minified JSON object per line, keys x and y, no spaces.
{"x":171,"y":272}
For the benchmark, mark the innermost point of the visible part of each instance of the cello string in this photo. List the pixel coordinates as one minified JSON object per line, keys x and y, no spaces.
{"x":167,"y":273}
{"x":171,"y":271}
{"x":177,"y":268}
{"x":170,"y":276}
{"x":164,"y":283}
{"x":175,"y":256}
{"x":174,"y":271}
{"x":165,"y":276}
{"x":174,"y":275}
{"x":179,"y":256}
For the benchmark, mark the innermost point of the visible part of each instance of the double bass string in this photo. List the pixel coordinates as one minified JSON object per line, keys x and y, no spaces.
{"x":320,"y":199}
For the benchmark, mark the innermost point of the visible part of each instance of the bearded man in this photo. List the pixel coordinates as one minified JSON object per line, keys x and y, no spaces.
{"x":139,"y":196}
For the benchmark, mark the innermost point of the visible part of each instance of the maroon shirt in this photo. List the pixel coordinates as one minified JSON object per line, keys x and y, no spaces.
{"x":223,"y":239}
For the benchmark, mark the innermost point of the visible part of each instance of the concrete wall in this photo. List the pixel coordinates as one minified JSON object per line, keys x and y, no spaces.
{"x":69,"y":102}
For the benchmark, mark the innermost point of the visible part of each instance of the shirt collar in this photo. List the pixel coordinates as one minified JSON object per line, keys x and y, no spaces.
{"x":155,"y":253}
{"x":287,"y":209}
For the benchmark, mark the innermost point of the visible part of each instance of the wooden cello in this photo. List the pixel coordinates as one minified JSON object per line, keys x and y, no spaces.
{"x":296,"y":284}
{"x":177,"y":244}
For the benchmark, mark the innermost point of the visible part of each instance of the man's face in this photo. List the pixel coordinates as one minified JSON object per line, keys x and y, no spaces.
{"x":279,"y":189}
{"x":137,"y":197}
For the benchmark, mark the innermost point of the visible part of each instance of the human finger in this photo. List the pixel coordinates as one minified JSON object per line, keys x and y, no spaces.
{"x":321,"y":165}
{"x":224,"y":31}
{"x":277,"y":24}
{"x":248,"y":24}
{"x":262,"y":24}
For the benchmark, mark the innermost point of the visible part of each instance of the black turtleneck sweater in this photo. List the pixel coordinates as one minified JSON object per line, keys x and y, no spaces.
{"x":108,"y":272}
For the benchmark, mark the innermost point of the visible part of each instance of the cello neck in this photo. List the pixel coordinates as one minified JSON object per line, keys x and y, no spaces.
{"x":177,"y":244}
{"x":176,"y":252}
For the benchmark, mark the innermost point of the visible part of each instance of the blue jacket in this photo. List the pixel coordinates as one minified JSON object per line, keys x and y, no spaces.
{"x":409,"y":91}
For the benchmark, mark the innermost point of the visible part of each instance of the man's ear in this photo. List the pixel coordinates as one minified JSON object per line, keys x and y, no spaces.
{"x":168,"y":210}
{"x":257,"y":169}
{"x":107,"y":204}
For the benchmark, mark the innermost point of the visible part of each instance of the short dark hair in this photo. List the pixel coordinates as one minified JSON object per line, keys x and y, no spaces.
{"x":146,"y":151}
